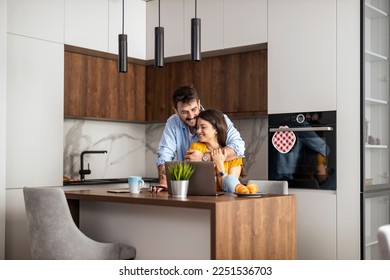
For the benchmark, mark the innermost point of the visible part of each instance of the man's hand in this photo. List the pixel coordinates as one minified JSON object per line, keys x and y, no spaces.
{"x":194,"y":155}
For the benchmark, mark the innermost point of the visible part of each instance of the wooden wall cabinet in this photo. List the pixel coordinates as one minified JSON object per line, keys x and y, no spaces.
{"x":235,"y":84}
{"x":161,"y":83}
{"x":93,"y":88}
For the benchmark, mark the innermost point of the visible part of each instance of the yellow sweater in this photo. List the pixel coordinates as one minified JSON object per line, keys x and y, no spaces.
{"x":227,"y":164}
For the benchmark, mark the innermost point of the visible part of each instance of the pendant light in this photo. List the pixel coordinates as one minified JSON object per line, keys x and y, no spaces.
{"x":159,"y":43}
{"x":195,"y":36}
{"x":122,"y":45}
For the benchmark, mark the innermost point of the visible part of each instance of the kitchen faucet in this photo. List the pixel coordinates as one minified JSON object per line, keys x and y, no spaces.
{"x":83,"y":171}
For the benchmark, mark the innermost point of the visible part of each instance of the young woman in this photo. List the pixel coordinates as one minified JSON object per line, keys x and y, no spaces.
{"x":211,"y":129}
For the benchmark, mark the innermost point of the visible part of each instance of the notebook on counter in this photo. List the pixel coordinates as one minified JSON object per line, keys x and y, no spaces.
{"x":202,"y":182}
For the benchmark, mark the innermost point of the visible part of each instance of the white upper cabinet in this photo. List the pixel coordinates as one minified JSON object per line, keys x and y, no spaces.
{"x":35,"y":102}
{"x":301,"y":55}
{"x":245,"y":22}
{"x":86,"y":24}
{"x":134,"y":27}
{"x":224,"y":24}
{"x":211,"y":16}
{"x":95,"y":24}
{"x":31,"y":18}
{"x":172,"y":19}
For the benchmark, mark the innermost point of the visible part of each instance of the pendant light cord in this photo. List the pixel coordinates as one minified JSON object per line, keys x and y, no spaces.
{"x":123,"y":16}
{"x":158,"y":13}
{"x":196,"y":8}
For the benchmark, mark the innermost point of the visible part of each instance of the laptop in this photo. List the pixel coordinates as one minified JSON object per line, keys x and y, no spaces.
{"x":202,"y":181}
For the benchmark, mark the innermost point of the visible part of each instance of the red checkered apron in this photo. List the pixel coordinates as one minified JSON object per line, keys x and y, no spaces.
{"x":284,"y":141}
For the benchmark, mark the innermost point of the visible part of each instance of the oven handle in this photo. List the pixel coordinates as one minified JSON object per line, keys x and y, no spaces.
{"x":321,"y":128}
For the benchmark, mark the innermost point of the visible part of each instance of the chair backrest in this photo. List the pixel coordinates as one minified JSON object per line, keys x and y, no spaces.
{"x":384,"y":241}
{"x":54,"y":235}
{"x":272,"y":187}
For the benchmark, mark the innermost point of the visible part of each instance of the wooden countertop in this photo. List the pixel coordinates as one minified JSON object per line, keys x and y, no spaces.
{"x":241,"y":227}
{"x":159,"y":199}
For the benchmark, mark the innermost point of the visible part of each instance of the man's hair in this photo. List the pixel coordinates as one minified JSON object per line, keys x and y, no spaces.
{"x":184,"y":94}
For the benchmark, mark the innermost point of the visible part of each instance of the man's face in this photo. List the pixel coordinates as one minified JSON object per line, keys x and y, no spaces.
{"x":188,"y":112}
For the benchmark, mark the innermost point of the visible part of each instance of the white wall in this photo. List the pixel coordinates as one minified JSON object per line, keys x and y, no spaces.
{"x":3,"y":100}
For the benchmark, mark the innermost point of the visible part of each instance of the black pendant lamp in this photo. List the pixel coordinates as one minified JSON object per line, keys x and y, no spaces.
{"x":159,"y":43}
{"x":122,"y":45}
{"x":195,"y":36}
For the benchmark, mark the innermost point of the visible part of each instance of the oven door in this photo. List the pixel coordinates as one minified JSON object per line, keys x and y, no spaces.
{"x":309,"y":161}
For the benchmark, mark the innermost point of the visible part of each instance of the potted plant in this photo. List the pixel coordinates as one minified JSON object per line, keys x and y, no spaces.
{"x":180,"y":174}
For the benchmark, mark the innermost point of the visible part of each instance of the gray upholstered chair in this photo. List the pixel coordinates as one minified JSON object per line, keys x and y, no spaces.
{"x":272,"y":187}
{"x":384,"y":242}
{"x":54,"y":235}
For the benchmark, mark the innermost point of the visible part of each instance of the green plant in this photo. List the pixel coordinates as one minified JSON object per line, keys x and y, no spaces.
{"x":181,"y":171}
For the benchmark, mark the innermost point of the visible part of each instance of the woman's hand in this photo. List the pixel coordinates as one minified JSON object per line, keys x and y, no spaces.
{"x":219,"y":157}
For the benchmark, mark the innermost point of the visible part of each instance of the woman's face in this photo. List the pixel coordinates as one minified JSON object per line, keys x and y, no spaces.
{"x":206,"y":132}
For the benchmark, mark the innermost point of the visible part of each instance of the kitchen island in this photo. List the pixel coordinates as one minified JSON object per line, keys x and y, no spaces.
{"x":197,"y":227}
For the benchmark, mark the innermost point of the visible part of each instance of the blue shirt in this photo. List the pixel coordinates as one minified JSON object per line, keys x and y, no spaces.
{"x":176,"y":139}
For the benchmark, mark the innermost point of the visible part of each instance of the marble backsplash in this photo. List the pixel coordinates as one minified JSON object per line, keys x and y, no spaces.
{"x":132,"y":148}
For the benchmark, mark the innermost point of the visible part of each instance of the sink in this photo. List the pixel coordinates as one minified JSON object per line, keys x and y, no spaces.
{"x":107,"y":181}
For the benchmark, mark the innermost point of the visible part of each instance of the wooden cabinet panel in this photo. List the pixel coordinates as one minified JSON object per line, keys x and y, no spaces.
{"x":161,"y":83}
{"x":235,"y":84}
{"x":93,"y":88}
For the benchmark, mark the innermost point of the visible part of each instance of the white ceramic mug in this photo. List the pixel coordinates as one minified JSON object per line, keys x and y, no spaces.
{"x":135,"y":184}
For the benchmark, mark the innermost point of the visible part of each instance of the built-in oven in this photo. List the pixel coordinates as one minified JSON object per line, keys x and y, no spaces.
{"x":302,"y":149}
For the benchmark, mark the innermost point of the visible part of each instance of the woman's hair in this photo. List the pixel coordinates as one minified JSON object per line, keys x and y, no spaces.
{"x":184,"y":94}
{"x":217,"y":120}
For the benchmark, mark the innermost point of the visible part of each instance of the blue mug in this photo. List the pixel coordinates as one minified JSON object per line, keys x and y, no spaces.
{"x":135,"y":184}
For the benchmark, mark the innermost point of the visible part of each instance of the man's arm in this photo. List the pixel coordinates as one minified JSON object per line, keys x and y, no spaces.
{"x":162,"y":175}
{"x":230,"y":153}
{"x":166,"y":150}
{"x":235,"y":146}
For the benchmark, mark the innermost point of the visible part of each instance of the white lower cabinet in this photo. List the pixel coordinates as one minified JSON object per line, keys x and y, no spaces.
{"x":316,"y":224}
{"x":301,"y":56}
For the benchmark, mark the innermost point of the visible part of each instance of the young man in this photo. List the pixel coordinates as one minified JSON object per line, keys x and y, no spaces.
{"x":180,"y":132}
